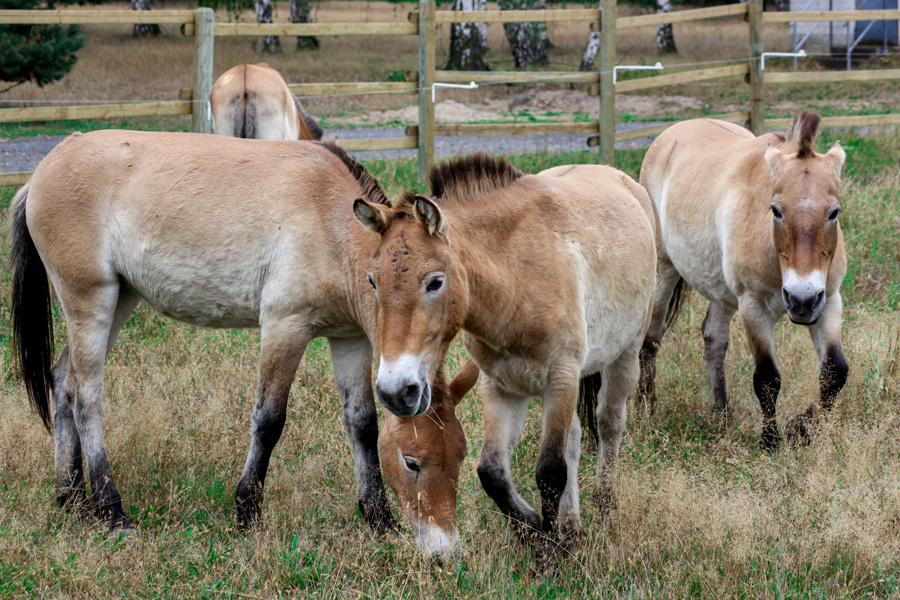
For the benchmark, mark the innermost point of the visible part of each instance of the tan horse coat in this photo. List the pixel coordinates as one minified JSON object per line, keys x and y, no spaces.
{"x":217,"y":232}
{"x":551,"y":277}
{"x":253,"y":101}
{"x":751,"y":224}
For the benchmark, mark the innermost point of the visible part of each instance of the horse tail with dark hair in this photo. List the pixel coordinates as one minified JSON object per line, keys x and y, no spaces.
{"x":588,"y":390}
{"x":245,"y":116}
{"x":32,"y":320}
{"x":311,"y":124}
{"x":680,"y":295}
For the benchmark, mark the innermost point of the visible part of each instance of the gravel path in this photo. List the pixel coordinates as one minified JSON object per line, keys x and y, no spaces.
{"x":23,"y":154}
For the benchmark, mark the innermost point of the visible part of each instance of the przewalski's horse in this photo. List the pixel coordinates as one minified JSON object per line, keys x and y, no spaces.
{"x":181,"y":222}
{"x":421,"y":457}
{"x":551,"y":278}
{"x":750,"y":223}
{"x":254,"y":102}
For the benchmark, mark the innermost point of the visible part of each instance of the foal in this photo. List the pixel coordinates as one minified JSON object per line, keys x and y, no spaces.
{"x":751,"y":224}
{"x":218,"y":232}
{"x":254,"y":102}
{"x":551,"y":278}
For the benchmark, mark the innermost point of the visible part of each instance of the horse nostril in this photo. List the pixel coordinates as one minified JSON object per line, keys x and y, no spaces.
{"x":411,"y":393}
{"x":820,"y":298}
{"x":786,"y":298}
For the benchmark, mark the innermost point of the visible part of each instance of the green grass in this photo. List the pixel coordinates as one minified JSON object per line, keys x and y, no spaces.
{"x":702,"y":512}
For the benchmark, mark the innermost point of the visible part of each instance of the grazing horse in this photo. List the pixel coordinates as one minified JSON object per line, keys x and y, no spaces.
{"x":421,"y":457}
{"x":551,"y":277}
{"x":254,"y":102}
{"x":751,"y":224}
{"x":181,"y":222}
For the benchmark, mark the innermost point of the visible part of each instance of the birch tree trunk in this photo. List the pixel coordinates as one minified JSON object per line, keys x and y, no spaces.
{"x":269,"y":43}
{"x":300,"y":14}
{"x":527,"y":41}
{"x":467,"y":44}
{"x":593,"y":45}
{"x":139,"y":28}
{"x":665,"y":40}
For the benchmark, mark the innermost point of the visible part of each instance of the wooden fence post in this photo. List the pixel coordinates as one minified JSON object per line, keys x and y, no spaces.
{"x":204,"y":41}
{"x":607,"y":88}
{"x":426,"y":79}
{"x":755,"y":78}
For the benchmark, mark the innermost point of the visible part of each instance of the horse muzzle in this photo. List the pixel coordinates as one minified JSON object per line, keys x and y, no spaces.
{"x":402,"y":386}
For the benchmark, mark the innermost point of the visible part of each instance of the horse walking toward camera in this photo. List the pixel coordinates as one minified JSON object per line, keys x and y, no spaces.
{"x":752,"y":224}
{"x":254,"y":102}
{"x":551,"y":277}
{"x":173,"y":219}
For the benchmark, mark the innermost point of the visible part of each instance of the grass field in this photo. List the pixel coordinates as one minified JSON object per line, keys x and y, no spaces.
{"x":703,"y":512}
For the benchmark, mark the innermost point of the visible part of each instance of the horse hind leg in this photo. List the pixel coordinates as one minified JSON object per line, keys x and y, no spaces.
{"x":715,"y":329}
{"x":569,"y":504}
{"x":352,"y":360}
{"x":70,"y":483}
{"x":666,"y":304}
{"x":619,"y":379}
{"x":283,"y":344}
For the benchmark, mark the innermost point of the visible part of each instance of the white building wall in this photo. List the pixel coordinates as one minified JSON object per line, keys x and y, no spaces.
{"x":819,"y":41}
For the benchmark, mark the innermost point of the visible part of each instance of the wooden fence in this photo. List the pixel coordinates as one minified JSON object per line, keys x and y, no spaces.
{"x":423,"y":23}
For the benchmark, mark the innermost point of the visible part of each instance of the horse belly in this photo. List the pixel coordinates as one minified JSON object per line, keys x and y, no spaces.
{"x":210,"y":292}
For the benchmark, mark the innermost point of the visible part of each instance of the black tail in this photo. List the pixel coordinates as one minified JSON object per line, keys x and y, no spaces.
{"x":245,"y":117}
{"x":587,"y":403}
{"x":680,"y":296}
{"x":32,"y":320}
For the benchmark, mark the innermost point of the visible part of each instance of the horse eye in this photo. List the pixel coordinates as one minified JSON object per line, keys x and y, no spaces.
{"x":412,"y":465}
{"x":435,"y":284}
{"x":777,"y":213}
{"x":372,"y":281}
{"x":833,"y":215}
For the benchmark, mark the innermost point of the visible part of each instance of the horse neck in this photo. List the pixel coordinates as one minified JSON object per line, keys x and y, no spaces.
{"x":482,"y":262}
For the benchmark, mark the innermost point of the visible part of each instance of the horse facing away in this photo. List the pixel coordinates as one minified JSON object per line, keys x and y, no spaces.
{"x":421,"y":457}
{"x":751,"y":224}
{"x":173,"y":219}
{"x":254,"y":102}
{"x":551,"y":277}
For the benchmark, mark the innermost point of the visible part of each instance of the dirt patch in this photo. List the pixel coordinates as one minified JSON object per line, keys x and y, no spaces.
{"x":542,"y":104}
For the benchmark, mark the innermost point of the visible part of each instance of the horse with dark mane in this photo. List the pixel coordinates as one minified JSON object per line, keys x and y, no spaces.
{"x":752,"y":224}
{"x":550,"y":276}
{"x":115,"y":218}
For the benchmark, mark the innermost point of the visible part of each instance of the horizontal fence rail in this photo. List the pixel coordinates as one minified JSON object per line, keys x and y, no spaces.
{"x":95,"y":111}
{"x":832,"y":76}
{"x":331,"y":89}
{"x":831,"y":15}
{"x":517,"y":16}
{"x":255,"y":29}
{"x":95,"y":17}
{"x":681,"y":16}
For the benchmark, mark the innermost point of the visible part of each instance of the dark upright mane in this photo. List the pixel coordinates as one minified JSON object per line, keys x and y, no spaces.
{"x":470,"y":176}
{"x":803,"y":133}
{"x":370,"y":186}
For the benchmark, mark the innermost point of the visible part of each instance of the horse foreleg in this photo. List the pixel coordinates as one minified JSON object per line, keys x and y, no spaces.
{"x":283,"y":344}
{"x":759,"y":328}
{"x":504,"y":419}
{"x":716,"y":328}
{"x":352,"y":360}
{"x":833,"y":369}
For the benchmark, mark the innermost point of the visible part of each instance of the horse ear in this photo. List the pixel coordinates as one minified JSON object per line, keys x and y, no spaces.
{"x":428,"y":213}
{"x":835,"y":159}
{"x":463,"y":382}
{"x":775,"y":159}
{"x":373,"y":217}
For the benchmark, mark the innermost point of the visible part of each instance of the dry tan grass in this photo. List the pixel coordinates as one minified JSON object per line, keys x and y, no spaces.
{"x":703,"y":512}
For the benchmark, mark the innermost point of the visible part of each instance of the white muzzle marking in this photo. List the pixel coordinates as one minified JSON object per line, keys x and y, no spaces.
{"x":434,"y":540}
{"x":402,"y":385}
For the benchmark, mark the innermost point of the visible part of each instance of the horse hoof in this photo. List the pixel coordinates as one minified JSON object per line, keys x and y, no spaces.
{"x":800,"y":430}
{"x":770,"y":441}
